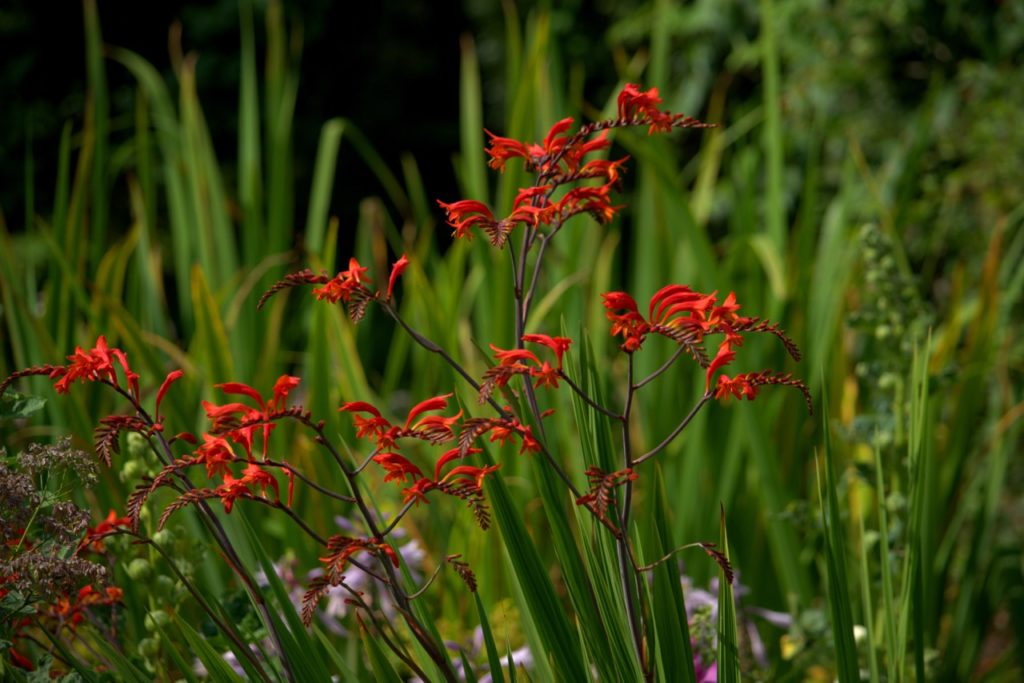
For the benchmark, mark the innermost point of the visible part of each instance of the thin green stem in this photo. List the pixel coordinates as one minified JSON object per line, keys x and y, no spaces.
{"x":675,"y":432}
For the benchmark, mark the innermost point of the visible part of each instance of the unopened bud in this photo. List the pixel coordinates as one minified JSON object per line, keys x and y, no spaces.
{"x":139,"y":569}
{"x":156,"y":619}
{"x":149,"y":647}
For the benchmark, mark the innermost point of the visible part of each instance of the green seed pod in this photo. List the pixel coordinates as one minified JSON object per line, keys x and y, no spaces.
{"x":138,"y":446}
{"x":131,"y":470}
{"x":139,"y":569}
{"x":163,"y":538}
{"x":164,"y":585}
{"x":149,"y":647}
{"x":156,"y":618}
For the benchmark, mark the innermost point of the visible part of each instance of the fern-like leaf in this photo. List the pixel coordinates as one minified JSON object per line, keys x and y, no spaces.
{"x":190,"y":497}
{"x":474,"y":497}
{"x":462,"y":569}
{"x":303,"y":277}
{"x":601,"y":495}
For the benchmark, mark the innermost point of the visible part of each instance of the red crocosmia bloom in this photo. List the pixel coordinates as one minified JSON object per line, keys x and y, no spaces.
{"x":216,"y":454}
{"x":471,"y":473}
{"x":513,"y":356}
{"x":227,"y":416}
{"x":680,"y":307}
{"x":557,"y":344}
{"x":575,"y":154}
{"x":282,"y":387}
{"x":398,"y":468}
{"x":723,"y":318}
{"x":532,"y":206}
{"x":96,"y":364}
{"x":341,"y":286}
{"x":593,"y":200}
{"x":431,"y":404}
{"x":94,"y":535}
{"x":373,"y":427}
{"x":254,"y":475}
{"x":466,"y":213}
{"x":502,"y":149}
{"x":502,"y":431}
{"x":171,"y":378}
{"x":634,"y":103}
{"x":603,"y":168}
{"x":555,"y":141}
{"x":739,"y":386}
{"x":626,"y":320}
{"x":418,"y":491}
{"x":637,"y":105}
{"x":724,"y":356}
{"x":453,"y":454}
{"x":545,"y":375}
{"x":396,"y":270}
{"x":433,"y":428}
{"x":231,"y":490}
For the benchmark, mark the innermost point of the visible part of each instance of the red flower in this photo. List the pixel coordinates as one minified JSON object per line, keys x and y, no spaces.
{"x":254,"y":475}
{"x":739,"y":386}
{"x":418,"y":491}
{"x":471,"y":473}
{"x":634,"y":103}
{"x":432,"y":428}
{"x":724,"y":356}
{"x":398,"y":468}
{"x":396,"y":270}
{"x":171,"y":378}
{"x":466,"y":213}
{"x":342,"y":285}
{"x":626,"y":319}
{"x":94,"y":535}
{"x":227,"y":417}
{"x":94,"y":365}
{"x":502,"y":149}
{"x":231,"y":490}
{"x":557,"y":344}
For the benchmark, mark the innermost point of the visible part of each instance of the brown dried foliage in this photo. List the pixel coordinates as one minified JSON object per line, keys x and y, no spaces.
{"x":601,"y":495}
{"x":474,"y":497}
{"x":462,"y":569}
{"x":107,"y":434}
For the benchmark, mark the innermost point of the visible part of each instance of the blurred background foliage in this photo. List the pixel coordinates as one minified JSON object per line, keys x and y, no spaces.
{"x":162,"y":166}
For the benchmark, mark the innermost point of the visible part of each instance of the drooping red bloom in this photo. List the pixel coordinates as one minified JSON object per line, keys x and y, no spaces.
{"x":432,"y":428}
{"x":96,"y":364}
{"x":746,"y":385}
{"x":231,"y":490}
{"x":418,"y":491}
{"x":254,"y":475}
{"x":470,"y":473}
{"x":398,"y":467}
{"x":239,"y":421}
{"x":626,"y":320}
{"x":724,"y":356}
{"x":396,"y":270}
{"x":171,"y":378}
{"x":464,"y":214}
{"x":557,"y":344}
{"x":502,"y":150}
{"x":342,"y":286}
{"x":634,"y":103}
{"x":94,"y":535}
{"x":216,"y":454}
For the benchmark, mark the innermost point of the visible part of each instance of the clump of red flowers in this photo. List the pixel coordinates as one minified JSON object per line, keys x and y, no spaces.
{"x":236,"y":459}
